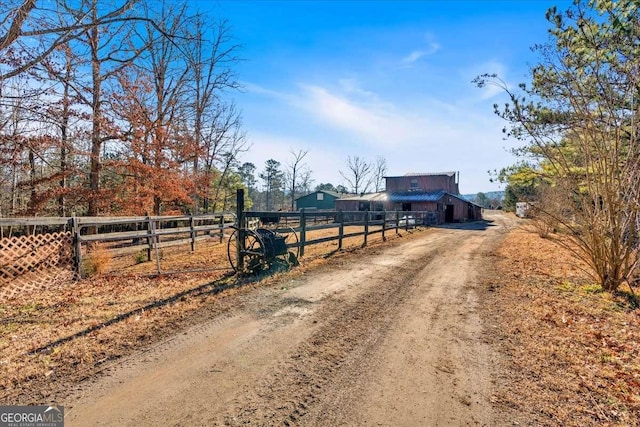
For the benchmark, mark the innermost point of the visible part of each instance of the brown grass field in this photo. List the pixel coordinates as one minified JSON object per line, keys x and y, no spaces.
{"x":572,"y":351}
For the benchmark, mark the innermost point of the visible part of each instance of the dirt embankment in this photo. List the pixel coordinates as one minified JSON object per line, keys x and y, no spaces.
{"x":388,"y":336}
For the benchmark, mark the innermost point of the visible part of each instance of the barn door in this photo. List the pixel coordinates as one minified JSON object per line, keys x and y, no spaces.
{"x":448,"y":214}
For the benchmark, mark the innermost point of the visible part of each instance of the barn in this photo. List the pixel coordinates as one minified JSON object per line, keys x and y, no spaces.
{"x":424,"y":192}
{"x":363,"y":202}
{"x":449,"y":207}
{"x":434,"y":192}
{"x":321,"y":200}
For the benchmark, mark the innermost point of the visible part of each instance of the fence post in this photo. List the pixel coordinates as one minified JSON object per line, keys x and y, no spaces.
{"x":77,"y":243}
{"x":397,"y":220}
{"x":303,"y":230}
{"x":366,"y":227}
{"x":240,"y":228}
{"x":384,"y":224}
{"x":154,"y":240}
{"x":340,"y":229}
{"x":149,"y":243}
{"x":193,"y":233}
{"x":221,"y":234}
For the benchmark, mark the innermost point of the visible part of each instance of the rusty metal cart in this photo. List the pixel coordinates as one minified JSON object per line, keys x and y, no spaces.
{"x":252,"y":251}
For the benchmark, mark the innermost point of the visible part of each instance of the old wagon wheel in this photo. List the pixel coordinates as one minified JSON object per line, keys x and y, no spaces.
{"x":254,"y":252}
{"x":290,"y":238}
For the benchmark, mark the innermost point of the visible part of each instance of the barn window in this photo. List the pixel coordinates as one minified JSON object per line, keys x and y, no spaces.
{"x":320,"y":196}
{"x":414,"y":184}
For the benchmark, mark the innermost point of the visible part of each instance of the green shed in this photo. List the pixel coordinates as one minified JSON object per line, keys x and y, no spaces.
{"x":318,"y":200}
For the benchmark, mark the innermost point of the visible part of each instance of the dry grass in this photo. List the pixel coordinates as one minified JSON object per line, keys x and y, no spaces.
{"x":97,"y":261}
{"x":53,"y":339}
{"x":573,"y":351}
{"x":211,"y":254}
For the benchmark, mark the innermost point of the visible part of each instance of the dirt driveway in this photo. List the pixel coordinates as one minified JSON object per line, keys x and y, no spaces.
{"x":391,"y":337}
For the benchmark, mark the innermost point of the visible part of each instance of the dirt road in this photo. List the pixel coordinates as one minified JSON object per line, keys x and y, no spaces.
{"x":389,"y":337}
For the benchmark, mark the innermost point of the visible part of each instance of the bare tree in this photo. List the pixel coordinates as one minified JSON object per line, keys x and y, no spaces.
{"x":106,"y":70}
{"x":61,"y":113}
{"x":109,"y":46}
{"x":72,"y":49}
{"x":27,"y":147}
{"x":215,"y":122}
{"x":358,"y":174}
{"x":379,"y":173}
{"x":65,"y":117}
{"x":235,"y":143}
{"x":305,"y":181}
{"x":293,"y":168}
{"x":12,"y":149}
{"x":167,"y":69}
{"x":31,"y":30}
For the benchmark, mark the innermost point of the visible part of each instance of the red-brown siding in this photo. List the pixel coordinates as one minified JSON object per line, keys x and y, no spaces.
{"x":425,"y":183}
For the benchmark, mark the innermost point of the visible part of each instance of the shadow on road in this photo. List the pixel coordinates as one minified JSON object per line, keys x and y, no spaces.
{"x":474,"y":226}
{"x":226,"y":282}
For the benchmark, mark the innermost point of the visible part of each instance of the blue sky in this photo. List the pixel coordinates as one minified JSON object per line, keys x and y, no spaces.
{"x":381,"y":78}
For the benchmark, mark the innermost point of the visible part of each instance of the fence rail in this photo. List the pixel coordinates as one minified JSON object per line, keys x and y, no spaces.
{"x":125,"y":234}
{"x":385,"y":220}
{"x":147,"y":236}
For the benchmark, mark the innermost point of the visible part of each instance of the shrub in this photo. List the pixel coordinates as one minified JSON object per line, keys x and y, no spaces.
{"x":97,"y":261}
{"x":141,"y":257}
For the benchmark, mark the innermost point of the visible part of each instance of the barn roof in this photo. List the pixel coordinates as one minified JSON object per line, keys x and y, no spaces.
{"x":424,"y":196}
{"x":370,"y":197}
{"x":450,"y":174}
{"x":417,"y":196}
{"x":330,"y":193}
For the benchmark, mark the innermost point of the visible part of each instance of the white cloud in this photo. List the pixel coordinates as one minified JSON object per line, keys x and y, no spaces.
{"x":259,"y":90}
{"x":427,"y":135}
{"x":353,"y":86}
{"x":431,"y":47}
{"x":413,"y":56}
{"x":374,"y":123}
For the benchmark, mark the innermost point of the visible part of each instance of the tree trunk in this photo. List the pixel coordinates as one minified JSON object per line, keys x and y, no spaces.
{"x":31,"y":209}
{"x":96,"y":140}
{"x":64,"y":138}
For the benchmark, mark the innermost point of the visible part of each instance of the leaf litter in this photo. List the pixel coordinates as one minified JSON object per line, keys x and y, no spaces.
{"x":571,"y":352}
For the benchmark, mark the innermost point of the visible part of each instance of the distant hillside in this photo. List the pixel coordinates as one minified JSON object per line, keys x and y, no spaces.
{"x":491,"y":195}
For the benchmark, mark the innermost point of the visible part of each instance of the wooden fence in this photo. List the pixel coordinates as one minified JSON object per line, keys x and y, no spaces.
{"x":22,"y":249}
{"x":35,"y":251}
{"x":372,"y":222}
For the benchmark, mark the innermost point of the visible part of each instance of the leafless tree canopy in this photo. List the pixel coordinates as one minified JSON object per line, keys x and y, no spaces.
{"x":379,"y":173}
{"x":117,"y":106}
{"x":296,"y":173}
{"x":32,"y":30}
{"x":358,"y":174}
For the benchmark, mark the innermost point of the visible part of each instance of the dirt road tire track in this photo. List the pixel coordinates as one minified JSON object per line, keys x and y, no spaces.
{"x":391,"y":337}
